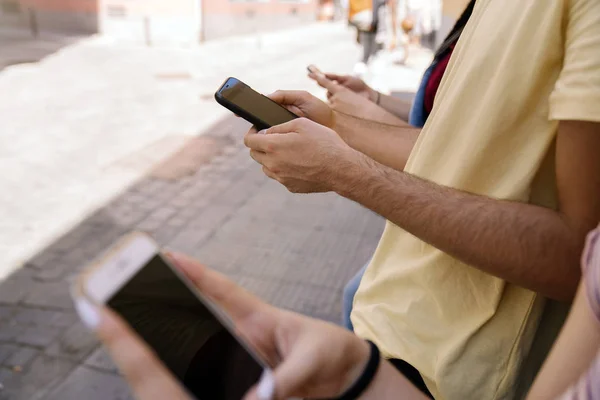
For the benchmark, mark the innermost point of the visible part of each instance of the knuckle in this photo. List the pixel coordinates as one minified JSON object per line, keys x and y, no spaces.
{"x":270,"y":147}
{"x":303,"y":94}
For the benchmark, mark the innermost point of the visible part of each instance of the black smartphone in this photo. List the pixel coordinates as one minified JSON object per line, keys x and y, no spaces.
{"x":255,"y":108}
{"x":193,"y":337}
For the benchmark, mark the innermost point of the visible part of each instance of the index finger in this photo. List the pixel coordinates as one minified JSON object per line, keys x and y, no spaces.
{"x":332,"y":86}
{"x":258,"y":142}
{"x":232,"y":298}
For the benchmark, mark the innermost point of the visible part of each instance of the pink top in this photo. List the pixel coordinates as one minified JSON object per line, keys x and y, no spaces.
{"x":588,"y":387}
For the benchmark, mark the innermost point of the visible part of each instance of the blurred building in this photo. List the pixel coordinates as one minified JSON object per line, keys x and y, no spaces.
{"x":182,"y":22}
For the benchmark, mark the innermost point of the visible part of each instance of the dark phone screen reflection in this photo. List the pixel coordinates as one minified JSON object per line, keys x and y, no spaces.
{"x":254,"y":103}
{"x":185,"y":335}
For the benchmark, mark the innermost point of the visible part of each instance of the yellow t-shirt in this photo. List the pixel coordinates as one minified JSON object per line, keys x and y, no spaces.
{"x":519,"y":68}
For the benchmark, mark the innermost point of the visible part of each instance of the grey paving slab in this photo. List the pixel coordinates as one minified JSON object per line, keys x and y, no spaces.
{"x":91,"y":384}
{"x":35,"y":381}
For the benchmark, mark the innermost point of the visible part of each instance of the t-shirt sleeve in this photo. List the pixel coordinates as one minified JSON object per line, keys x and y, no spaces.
{"x":576,"y":95}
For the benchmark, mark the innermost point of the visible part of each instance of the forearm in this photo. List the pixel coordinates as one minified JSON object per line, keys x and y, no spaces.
{"x":524,"y":244}
{"x":390,"y":384}
{"x":389,"y":145}
{"x":379,"y":114}
{"x":395,"y":105}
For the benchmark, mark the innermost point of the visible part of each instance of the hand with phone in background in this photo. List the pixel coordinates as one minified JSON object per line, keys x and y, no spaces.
{"x":178,"y":330}
{"x":350,"y":95}
{"x":352,"y":83}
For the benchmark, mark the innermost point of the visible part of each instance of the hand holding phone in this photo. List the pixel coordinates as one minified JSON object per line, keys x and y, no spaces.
{"x":312,"y":358}
{"x":254,"y":107}
{"x":192,"y":337}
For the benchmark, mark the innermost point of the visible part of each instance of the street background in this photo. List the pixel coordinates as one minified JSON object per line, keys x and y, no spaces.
{"x":99,"y":137}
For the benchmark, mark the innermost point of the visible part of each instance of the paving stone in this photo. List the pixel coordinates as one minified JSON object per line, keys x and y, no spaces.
{"x":42,"y":317}
{"x":49,"y":295}
{"x":100,"y":359}
{"x":90,"y":384}
{"x":76,"y":343}
{"x":21,"y":357}
{"x":37,"y":336}
{"x":32,"y":383}
{"x":6,"y":351}
{"x":6,"y":313}
{"x":42,"y":259}
{"x":16,"y":287}
{"x":10,"y":331}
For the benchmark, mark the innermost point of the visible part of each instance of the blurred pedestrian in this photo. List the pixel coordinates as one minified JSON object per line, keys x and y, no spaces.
{"x":420,"y":18}
{"x":364,"y":15}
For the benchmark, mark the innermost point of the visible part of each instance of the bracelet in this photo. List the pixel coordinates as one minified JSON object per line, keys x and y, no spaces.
{"x":378,"y":97}
{"x":365,"y":379}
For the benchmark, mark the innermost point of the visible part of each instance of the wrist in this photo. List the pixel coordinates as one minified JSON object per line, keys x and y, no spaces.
{"x":374,"y":95}
{"x":359,"y":352}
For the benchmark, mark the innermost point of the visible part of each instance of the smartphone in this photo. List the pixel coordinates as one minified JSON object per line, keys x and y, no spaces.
{"x":193,"y":337}
{"x":255,"y":108}
{"x":311,"y":68}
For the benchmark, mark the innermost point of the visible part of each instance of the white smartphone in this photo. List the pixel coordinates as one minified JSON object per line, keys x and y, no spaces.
{"x":193,"y":337}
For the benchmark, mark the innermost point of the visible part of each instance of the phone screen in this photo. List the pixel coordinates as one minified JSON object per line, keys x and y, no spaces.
{"x":246,"y":98}
{"x":185,"y":334}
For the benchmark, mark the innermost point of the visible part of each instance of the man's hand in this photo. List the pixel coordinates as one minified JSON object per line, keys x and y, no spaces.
{"x":302,"y":155}
{"x":350,"y":103}
{"x":303,"y":104}
{"x":352,"y":83}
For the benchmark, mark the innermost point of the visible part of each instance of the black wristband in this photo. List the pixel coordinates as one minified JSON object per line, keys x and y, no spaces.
{"x":365,"y":379}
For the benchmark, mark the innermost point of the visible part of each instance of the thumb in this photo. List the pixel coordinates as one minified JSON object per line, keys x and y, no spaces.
{"x":287,"y":127}
{"x":288,"y":380}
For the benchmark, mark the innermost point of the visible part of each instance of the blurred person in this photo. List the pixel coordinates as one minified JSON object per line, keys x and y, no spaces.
{"x":487,"y":205}
{"x":421,"y":18}
{"x":364,"y":16}
{"x":353,"y":96}
{"x":317,"y":359}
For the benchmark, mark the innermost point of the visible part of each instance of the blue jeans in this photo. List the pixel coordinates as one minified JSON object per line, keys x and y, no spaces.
{"x":348,"y":297}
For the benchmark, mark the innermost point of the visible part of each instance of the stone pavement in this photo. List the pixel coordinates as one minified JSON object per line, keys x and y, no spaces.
{"x":295,"y":251}
{"x":98,"y":119}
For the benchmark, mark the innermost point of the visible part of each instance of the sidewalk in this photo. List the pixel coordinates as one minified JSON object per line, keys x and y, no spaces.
{"x":98,"y":119}
{"x":86,"y":122}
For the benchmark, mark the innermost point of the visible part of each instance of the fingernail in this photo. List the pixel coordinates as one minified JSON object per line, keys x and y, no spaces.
{"x":88,"y":312}
{"x":266,"y":386}
{"x":263,"y":132}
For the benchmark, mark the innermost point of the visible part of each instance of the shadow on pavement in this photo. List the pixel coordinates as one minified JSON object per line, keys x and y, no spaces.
{"x":295,"y":251}
{"x":18,"y":46}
